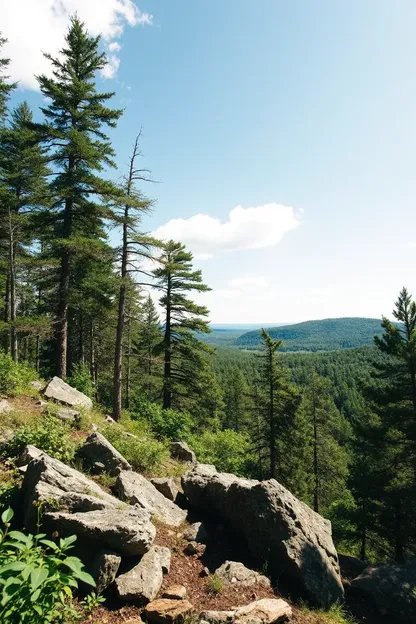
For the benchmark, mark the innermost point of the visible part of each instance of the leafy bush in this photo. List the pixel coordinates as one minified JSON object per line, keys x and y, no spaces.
{"x":169,"y":423}
{"x":37,"y":577}
{"x":50,"y":435}
{"x":81,"y":379}
{"x":228,"y":450}
{"x":14,"y":378}
{"x":214,"y":585}
{"x":142,"y":452}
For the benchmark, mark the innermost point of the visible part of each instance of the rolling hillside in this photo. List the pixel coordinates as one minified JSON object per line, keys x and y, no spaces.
{"x":325,"y":335}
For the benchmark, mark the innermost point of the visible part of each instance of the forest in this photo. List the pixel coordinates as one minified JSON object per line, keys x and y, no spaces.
{"x":337,"y":427}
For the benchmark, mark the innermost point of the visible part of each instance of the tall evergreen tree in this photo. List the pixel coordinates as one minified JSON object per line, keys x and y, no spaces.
{"x":78,"y":151}
{"x":279,"y":402}
{"x":183,"y":352}
{"x":23,"y":178}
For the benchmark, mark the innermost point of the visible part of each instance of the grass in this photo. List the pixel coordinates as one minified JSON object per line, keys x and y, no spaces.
{"x":335,"y":615}
{"x":214,"y":585}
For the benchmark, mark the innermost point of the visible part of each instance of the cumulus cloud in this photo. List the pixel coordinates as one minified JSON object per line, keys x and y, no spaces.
{"x":36,"y":26}
{"x":249,"y":281}
{"x":246,"y":228}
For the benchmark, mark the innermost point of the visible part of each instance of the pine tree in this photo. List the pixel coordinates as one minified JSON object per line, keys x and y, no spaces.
{"x":146,"y":347}
{"x":183,"y":352}
{"x":23,"y":180}
{"x":329,"y":432}
{"x":6,"y":87}
{"x":278,"y":409}
{"x":78,"y":150}
{"x":391,"y":436}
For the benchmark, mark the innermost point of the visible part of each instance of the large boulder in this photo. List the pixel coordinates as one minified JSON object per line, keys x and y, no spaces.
{"x":62,"y":392}
{"x":390,"y":589}
{"x":181,"y":451}
{"x":196,"y":532}
{"x":97,"y":449}
{"x":142,"y":583}
{"x":49,"y":481}
{"x":277,"y":528}
{"x":127,"y":531}
{"x":237,"y":573}
{"x":75,"y":504}
{"x":137,"y":490}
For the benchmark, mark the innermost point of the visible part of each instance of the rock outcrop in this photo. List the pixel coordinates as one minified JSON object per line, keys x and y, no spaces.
{"x":236,"y":573}
{"x":62,"y":392}
{"x":82,"y":506}
{"x":390,"y":589}
{"x":142,"y":583}
{"x":98,"y":450}
{"x":181,"y":451}
{"x":265,"y":611}
{"x":276,"y":527}
{"x":196,"y":532}
{"x":137,"y":490}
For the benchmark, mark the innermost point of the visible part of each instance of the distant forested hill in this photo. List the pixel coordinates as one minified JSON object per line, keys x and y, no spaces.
{"x":325,"y":335}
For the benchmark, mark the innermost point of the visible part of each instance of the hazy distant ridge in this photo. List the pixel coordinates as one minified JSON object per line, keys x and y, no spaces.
{"x":324,"y":335}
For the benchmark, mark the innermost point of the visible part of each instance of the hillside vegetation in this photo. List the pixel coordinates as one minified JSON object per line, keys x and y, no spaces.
{"x":325,"y":335}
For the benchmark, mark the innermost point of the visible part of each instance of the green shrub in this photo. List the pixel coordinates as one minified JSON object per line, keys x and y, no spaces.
{"x":81,"y":379}
{"x":228,"y":450}
{"x":169,"y":423}
{"x":50,"y":435}
{"x":14,"y":378}
{"x":143,"y":452}
{"x":37,"y":577}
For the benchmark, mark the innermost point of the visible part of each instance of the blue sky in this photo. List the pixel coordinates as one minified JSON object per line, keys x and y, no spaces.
{"x":302,"y":111}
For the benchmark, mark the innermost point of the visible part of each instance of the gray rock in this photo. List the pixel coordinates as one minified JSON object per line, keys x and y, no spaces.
{"x":68,"y":414}
{"x":142,"y":583}
{"x":41,"y":403}
{"x":390,"y":589}
{"x":194,"y":548}
{"x":62,"y":392}
{"x":351,"y":567}
{"x":180,"y":450}
{"x":196,"y":532}
{"x":276,"y":527}
{"x":137,"y":490}
{"x":6,"y":436}
{"x":217,"y":617}
{"x":127,"y":531}
{"x":104,"y":569}
{"x":175,"y":592}
{"x":110,"y":420}
{"x":49,"y":479}
{"x":97,"y":448}
{"x":236,"y":572}
{"x":265,"y":611}
{"x":5,"y":407}
{"x":29,"y":452}
{"x":167,"y":487}
{"x":164,"y":557}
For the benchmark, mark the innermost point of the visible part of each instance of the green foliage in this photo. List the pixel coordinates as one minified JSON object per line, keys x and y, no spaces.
{"x":228,"y":450}
{"x":14,"y":378}
{"x":214,"y":585}
{"x":336,"y":614}
{"x":169,"y":423}
{"x":37,"y":577}
{"x":81,"y":379}
{"x":325,"y":335}
{"x":142,"y":450}
{"x":49,"y":435}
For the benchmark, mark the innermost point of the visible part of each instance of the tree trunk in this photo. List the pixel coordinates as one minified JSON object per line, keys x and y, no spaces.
{"x":6,"y":313}
{"x":128,"y":365}
{"x":63,"y":296}
{"x":81,"y":345}
{"x":167,"y":370}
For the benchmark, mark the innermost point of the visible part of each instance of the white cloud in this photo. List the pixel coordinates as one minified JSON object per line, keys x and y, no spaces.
{"x":112,"y":66}
{"x":249,"y":281}
{"x":36,"y":26}
{"x":246,"y":228}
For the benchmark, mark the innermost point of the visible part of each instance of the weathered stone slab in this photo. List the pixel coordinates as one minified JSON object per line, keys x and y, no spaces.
{"x":62,"y":392}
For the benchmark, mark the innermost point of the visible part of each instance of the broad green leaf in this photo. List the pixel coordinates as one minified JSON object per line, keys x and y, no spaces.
{"x":13,"y":566}
{"x":73,"y":563}
{"x":37,"y":577}
{"x":19,"y":536}
{"x":85,"y":578}
{"x":7,"y":515}
{"x":35,"y":595}
{"x":49,"y":544}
